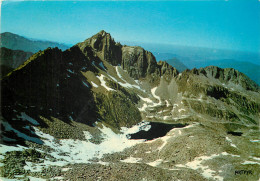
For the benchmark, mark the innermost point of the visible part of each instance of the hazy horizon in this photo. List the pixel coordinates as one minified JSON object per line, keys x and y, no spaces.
{"x":223,"y":24}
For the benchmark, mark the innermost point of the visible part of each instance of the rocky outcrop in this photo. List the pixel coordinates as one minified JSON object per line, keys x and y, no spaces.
{"x":104,"y":47}
{"x":230,"y":75}
{"x":220,"y":94}
{"x":135,"y":60}
{"x":138,"y":62}
{"x":167,"y":70}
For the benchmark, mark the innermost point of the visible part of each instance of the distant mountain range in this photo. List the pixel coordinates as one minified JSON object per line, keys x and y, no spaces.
{"x":249,"y":68}
{"x":17,"y":42}
{"x":171,"y":59}
{"x":194,"y":54}
{"x":16,"y":49}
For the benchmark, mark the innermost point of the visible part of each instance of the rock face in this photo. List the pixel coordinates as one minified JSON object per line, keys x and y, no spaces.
{"x":226,"y":87}
{"x":75,"y":110}
{"x":135,"y":60}
{"x":104,"y":46}
{"x":11,"y":59}
{"x":230,"y":75}
{"x":138,"y":62}
{"x":167,"y":70}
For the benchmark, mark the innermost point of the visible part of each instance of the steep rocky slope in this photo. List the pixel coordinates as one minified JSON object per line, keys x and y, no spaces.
{"x":13,"y":58}
{"x":105,"y":111}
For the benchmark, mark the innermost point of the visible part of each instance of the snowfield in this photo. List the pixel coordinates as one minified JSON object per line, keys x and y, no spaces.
{"x":69,"y":151}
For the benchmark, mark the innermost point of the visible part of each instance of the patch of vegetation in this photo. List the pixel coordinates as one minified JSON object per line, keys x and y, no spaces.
{"x":117,"y":109}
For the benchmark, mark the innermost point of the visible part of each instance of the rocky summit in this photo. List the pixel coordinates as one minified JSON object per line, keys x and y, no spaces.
{"x":105,"y":111}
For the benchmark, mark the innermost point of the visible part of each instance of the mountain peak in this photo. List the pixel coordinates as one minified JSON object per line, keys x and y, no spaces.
{"x":105,"y":47}
{"x":103,"y":33}
{"x":100,"y":35}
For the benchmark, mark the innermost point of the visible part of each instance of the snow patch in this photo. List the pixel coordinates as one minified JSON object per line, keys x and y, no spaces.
{"x":28,"y":118}
{"x":8,"y":139}
{"x":103,"y":163}
{"x":143,"y":108}
{"x":255,"y":158}
{"x":119,"y":75}
{"x":94,"y":85}
{"x":85,"y":84}
{"x":6,"y":148}
{"x":164,"y":139}
{"x":139,"y":127}
{"x":65,"y":169}
{"x":69,"y":151}
{"x":88,"y":136}
{"x":102,"y":65}
{"x":103,"y":82}
{"x":255,"y":141}
{"x":153,"y":93}
{"x":230,"y":141}
{"x":32,"y":167}
{"x":7,"y":179}
{"x":146,"y":99}
{"x":36,"y":179}
{"x":155,"y":163}
{"x":166,"y":117}
{"x":250,"y":163}
{"x":57,"y":178}
{"x":131,"y":160}
{"x":167,"y":103}
{"x":125,"y":84}
{"x":206,"y":171}
{"x":69,"y":70}
{"x":180,"y":110}
{"x":8,"y":127}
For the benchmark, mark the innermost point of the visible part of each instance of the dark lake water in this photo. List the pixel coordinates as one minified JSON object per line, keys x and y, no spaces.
{"x":235,"y":133}
{"x":157,"y":130}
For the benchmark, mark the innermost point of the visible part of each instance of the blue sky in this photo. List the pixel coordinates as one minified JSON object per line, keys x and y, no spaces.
{"x":214,"y":24}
